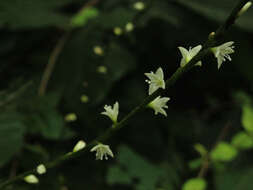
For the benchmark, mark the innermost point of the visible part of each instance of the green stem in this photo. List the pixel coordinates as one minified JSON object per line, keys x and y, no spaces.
{"x":211,"y":42}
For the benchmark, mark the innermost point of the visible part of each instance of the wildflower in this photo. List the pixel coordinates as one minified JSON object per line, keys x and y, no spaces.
{"x":155,"y":80}
{"x":187,"y":55}
{"x":84,"y":99}
{"x":129,"y":27}
{"x":31,"y":179}
{"x":117,"y":31}
{"x":158,"y":104}
{"x":139,"y":6}
{"x":222,"y":52}
{"x":244,"y":8}
{"x":102,"y":69}
{"x":112,"y":113}
{"x":79,"y":146}
{"x":70,"y":117}
{"x":102,"y":151}
{"x":98,"y":50}
{"x":41,"y":169}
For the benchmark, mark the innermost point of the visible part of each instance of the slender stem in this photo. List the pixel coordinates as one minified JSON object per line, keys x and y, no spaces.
{"x":170,"y":82}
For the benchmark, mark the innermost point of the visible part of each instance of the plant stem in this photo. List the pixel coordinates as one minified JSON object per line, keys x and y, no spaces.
{"x":211,"y":42}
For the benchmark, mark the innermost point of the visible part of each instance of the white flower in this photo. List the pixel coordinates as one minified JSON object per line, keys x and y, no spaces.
{"x":79,"y":146}
{"x":117,"y":31}
{"x":98,"y":50}
{"x":112,"y":113}
{"x":187,"y":55}
{"x":139,"y":6}
{"x":158,"y":104}
{"x":244,"y":8}
{"x":155,"y":80}
{"x":222,"y":52}
{"x":41,"y":169}
{"x":31,"y":179}
{"x":129,"y":27}
{"x":70,"y":117}
{"x":102,"y":151}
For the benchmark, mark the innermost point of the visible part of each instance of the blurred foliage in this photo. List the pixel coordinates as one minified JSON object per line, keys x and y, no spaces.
{"x":96,"y":67}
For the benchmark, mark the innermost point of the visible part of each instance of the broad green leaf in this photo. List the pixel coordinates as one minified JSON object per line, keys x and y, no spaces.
{"x":242,"y":141}
{"x":11,"y":136}
{"x":81,"y":18}
{"x":195,"y":164}
{"x":117,"y":175}
{"x":219,"y":10}
{"x":234,"y":179}
{"x":223,"y":152}
{"x":195,"y":184}
{"x":32,"y":13}
{"x":247,"y":118}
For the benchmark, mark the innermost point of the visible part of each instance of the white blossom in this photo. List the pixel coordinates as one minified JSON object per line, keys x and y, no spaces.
{"x":112,"y":113}
{"x":70,"y":117}
{"x":79,"y":146}
{"x":31,"y":179}
{"x":159,"y":104}
{"x":139,"y":6}
{"x":187,"y":55}
{"x":222,"y":52}
{"x":155,"y":80}
{"x":41,"y":169}
{"x":244,"y":8}
{"x":102,"y":151}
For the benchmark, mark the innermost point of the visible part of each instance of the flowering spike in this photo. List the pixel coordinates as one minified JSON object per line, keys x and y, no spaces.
{"x":155,"y":80}
{"x":187,"y":55}
{"x":102,"y":151}
{"x":222,"y":52}
{"x":158,"y":104}
{"x":112,"y":113}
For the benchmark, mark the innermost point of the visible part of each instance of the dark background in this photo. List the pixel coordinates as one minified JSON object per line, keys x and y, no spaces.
{"x":152,"y":151}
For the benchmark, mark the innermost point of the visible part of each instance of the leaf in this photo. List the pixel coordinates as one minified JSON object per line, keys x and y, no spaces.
{"x":242,"y":141}
{"x":194,"y":184}
{"x":235,"y":179}
{"x":32,"y":13}
{"x":11,"y":136}
{"x":218,"y":10}
{"x":223,"y":152}
{"x":247,"y":118}
{"x":135,"y":167}
{"x":81,"y":18}
{"x":200,"y":149}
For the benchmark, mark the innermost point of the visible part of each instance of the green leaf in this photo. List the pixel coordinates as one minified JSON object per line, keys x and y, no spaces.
{"x":116,"y":175}
{"x":83,"y":17}
{"x":218,"y":10}
{"x":242,"y":141}
{"x":194,"y":184}
{"x":223,"y":152}
{"x":11,"y":136}
{"x":32,"y":13}
{"x":247,"y":118}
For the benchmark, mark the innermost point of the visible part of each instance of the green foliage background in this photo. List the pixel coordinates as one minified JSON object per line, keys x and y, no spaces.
{"x":152,"y":152}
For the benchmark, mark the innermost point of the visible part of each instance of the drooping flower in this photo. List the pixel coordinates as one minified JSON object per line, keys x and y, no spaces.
{"x":41,"y":169}
{"x":222,"y":52}
{"x":102,"y":151}
{"x":159,"y":104}
{"x":129,"y":27}
{"x":112,"y":113}
{"x":98,"y":50}
{"x":79,"y":146}
{"x":187,"y":55}
{"x":155,"y":80}
{"x":31,"y":179}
